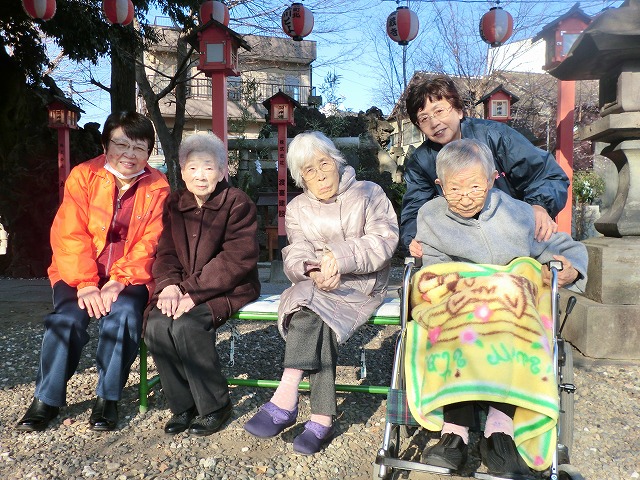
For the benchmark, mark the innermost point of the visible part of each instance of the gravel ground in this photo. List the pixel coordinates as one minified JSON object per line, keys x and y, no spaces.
{"x":606,"y":433}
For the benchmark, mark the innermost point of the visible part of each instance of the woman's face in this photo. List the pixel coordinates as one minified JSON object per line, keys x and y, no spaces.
{"x":321,"y":177}
{"x":439,"y":121}
{"x":466,"y":190}
{"x":125,"y":155}
{"x":201,"y":175}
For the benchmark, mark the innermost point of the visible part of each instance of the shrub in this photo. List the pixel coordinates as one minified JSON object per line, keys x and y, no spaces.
{"x":587,"y":186}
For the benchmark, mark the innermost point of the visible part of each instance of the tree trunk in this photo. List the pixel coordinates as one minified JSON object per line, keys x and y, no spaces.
{"x":123,"y":81}
{"x":169,"y":138}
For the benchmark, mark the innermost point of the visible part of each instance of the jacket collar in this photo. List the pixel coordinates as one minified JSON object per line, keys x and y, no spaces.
{"x":187,"y":200}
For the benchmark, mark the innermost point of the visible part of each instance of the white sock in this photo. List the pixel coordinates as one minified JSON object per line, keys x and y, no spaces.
{"x":458,"y":430}
{"x":325,"y":420}
{"x":286,"y":395}
{"x":498,"y":422}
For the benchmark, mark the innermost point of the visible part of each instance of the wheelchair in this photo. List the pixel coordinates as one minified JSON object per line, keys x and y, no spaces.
{"x":400,"y":451}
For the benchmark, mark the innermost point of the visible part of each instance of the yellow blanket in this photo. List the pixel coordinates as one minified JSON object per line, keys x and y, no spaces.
{"x":484,"y":332}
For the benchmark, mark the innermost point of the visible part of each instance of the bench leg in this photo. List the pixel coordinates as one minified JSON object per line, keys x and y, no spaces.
{"x":144,"y":381}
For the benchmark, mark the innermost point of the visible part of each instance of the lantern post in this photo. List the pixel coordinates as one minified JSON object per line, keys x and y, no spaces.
{"x":280,"y":107}
{"x":63,"y":116}
{"x":218,"y":46}
{"x":559,"y":36}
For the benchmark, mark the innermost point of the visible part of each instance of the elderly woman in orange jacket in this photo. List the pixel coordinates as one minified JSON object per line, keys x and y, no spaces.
{"x":104,"y":238}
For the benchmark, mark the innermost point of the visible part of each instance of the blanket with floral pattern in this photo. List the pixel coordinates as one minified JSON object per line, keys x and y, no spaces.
{"x":484,"y":333}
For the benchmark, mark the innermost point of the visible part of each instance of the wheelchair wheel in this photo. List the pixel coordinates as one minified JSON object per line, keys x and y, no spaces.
{"x":567,"y":472}
{"x":565,"y":422}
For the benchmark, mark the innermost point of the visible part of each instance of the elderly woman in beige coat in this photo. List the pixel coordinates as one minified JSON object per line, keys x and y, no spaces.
{"x":342,"y":234}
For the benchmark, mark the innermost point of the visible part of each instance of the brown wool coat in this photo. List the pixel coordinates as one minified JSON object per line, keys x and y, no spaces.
{"x":211,"y":252}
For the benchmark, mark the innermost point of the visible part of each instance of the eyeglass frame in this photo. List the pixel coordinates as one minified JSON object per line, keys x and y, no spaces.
{"x":423,"y":119}
{"x":314,"y":170}
{"x":121,"y":149}
{"x":471,"y":194}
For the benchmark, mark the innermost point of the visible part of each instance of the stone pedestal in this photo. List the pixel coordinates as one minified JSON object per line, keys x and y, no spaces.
{"x":605,"y":322}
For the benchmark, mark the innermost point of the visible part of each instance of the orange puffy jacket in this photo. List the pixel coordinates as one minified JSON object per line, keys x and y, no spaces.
{"x":80,"y":227}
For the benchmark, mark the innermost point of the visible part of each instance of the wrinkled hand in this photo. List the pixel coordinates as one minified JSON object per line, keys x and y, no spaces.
{"x":326,"y":284}
{"x":415,"y":249}
{"x":545,"y":226}
{"x":328,"y":265}
{"x":184,"y":305}
{"x":89,"y":299}
{"x":567,"y":275}
{"x":168,"y":300}
{"x":109,"y":293}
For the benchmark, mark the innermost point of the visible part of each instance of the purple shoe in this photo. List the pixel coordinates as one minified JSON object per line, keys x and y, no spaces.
{"x":314,"y":438}
{"x":270,"y":420}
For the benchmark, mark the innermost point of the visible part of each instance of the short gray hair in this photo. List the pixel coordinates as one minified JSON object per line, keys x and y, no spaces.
{"x":461,"y":154}
{"x":307,"y":146}
{"x":203,"y":143}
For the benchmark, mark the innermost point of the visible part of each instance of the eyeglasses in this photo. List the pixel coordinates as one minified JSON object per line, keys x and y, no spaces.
{"x":309,"y":173}
{"x":474,"y":193}
{"x":123,"y":147}
{"x":439,"y":114}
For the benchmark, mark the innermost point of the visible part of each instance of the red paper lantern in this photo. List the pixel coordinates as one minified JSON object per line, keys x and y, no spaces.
{"x":402,"y":25}
{"x":297,"y":21}
{"x":214,"y":10}
{"x":496,"y":26}
{"x":41,"y":9}
{"x":118,"y":11}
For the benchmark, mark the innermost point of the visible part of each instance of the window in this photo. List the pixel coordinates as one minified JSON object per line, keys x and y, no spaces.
{"x":234,"y":88}
{"x":499,"y":108}
{"x":292,"y":87}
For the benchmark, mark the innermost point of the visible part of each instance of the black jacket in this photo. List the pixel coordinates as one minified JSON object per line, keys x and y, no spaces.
{"x":524,"y":171}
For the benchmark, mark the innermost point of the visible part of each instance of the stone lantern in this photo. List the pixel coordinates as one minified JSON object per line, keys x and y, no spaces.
{"x":605,"y":323}
{"x":497,"y":104}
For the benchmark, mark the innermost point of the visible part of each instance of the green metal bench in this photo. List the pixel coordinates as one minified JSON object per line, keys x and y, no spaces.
{"x":265,"y":309}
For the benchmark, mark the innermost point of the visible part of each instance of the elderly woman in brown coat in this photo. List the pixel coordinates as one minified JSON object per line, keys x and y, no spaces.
{"x":342,"y":234}
{"x":205,"y":270}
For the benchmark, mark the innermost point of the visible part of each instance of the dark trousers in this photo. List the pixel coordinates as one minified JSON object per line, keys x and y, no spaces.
{"x":466,"y":413}
{"x":312,"y":346}
{"x":184,"y":351}
{"x":66,"y":335}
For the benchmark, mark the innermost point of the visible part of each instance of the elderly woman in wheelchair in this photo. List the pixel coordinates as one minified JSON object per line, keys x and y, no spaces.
{"x":484,"y":327}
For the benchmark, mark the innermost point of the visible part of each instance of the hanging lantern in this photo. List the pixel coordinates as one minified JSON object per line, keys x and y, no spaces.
{"x":118,"y":11}
{"x":40,"y":9}
{"x":402,"y":25}
{"x":496,"y":26}
{"x":216,"y":10}
{"x":297,"y":21}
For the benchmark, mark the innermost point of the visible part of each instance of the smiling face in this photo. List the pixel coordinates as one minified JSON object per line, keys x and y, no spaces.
{"x":322,"y":177}
{"x":439,"y":121}
{"x":466,"y":190}
{"x":125,"y":155}
{"x":201,"y":174}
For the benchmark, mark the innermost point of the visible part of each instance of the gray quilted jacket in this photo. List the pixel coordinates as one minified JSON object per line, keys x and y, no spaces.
{"x":361,"y":230}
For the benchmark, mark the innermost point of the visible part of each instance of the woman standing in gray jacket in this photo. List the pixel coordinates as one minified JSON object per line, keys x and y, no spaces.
{"x":342,"y":234}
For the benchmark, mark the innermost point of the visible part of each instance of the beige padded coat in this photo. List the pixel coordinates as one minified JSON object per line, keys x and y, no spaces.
{"x":361,"y":229}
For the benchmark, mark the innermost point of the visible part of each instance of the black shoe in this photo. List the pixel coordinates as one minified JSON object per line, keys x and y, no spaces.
{"x":104,"y":416}
{"x":37,"y":417}
{"x":179,"y":422}
{"x":208,"y":424}
{"x":450,"y":452}
{"x":500,"y":455}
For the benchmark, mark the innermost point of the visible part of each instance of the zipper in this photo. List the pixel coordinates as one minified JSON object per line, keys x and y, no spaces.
{"x":113,"y":224}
